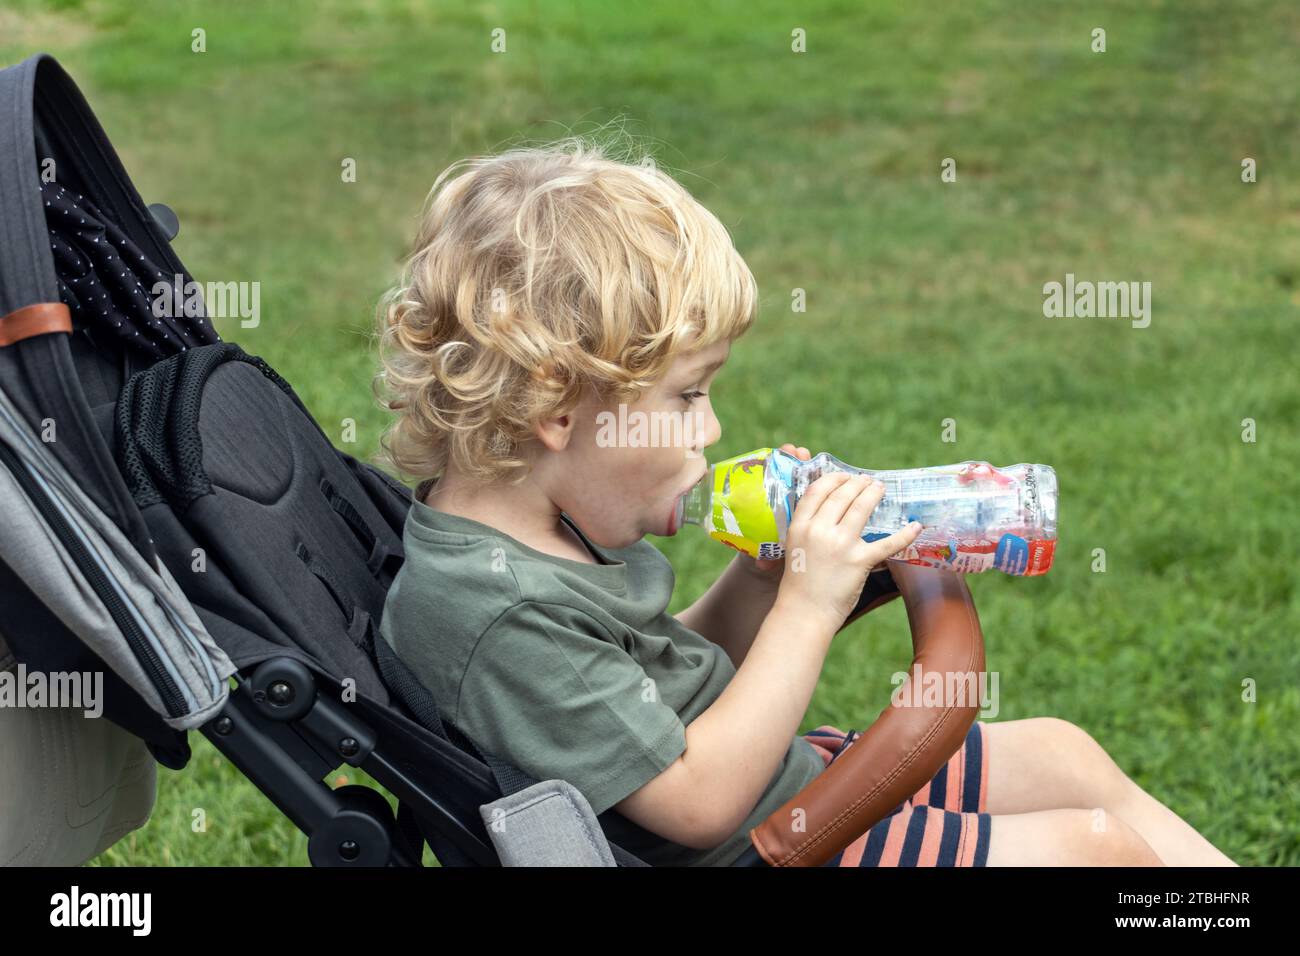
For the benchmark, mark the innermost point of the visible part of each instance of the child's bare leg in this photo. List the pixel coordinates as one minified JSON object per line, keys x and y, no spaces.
{"x":1043,"y":763}
{"x":1066,"y":837}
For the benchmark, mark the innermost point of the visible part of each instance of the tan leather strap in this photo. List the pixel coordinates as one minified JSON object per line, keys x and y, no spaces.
{"x":38,"y":319}
{"x":905,"y":747}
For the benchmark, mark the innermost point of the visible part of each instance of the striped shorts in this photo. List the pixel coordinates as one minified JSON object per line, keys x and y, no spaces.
{"x":945,"y":823}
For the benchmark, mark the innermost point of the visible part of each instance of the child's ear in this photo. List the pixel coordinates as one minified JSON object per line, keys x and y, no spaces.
{"x":554,"y":433}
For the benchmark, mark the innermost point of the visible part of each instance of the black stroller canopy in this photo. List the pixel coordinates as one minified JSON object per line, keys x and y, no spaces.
{"x":110,"y":283}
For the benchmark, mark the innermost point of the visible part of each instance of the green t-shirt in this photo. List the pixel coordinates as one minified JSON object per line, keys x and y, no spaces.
{"x":565,"y":669}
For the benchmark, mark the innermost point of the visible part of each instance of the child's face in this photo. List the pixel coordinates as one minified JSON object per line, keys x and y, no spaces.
{"x":629,"y":465}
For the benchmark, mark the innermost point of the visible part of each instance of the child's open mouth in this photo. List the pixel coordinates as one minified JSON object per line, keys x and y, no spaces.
{"x":673,"y":512}
{"x":677,"y":508}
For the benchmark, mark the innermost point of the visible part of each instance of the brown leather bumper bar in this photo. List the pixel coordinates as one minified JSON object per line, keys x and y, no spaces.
{"x":34,"y":320}
{"x":905,"y":747}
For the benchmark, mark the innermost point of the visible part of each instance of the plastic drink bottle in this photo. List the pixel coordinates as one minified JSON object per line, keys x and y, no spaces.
{"x":976,"y":516}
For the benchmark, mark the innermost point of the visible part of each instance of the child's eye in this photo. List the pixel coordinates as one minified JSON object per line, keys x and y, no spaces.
{"x":692,"y":396}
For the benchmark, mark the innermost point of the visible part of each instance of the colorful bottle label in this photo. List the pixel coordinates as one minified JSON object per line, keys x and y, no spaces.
{"x":1012,"y":555}
{"x":741,"y":517}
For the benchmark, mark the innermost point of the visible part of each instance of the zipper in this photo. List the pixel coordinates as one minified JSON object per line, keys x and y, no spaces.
{"x":98,"y":580}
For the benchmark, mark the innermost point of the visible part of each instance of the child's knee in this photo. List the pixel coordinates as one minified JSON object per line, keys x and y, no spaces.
{"x":1097,"y":837}
{"x":1066,"y":735}
{"x":1100,"y":782}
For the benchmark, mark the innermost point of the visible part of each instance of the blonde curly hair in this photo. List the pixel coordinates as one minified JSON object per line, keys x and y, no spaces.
{"x":536,"y":273}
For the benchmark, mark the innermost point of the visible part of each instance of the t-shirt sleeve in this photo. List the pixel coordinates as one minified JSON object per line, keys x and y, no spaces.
{"x":548,"y":689}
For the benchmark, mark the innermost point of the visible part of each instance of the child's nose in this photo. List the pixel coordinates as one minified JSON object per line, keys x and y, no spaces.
{"x":712,"y":432}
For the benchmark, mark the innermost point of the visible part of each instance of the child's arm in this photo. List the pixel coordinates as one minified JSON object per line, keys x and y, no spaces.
{"x":732,"y":610}
{"x":735,"y":746}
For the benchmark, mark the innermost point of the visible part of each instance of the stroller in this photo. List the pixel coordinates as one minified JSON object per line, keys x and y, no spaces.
{"x":176,"y":519}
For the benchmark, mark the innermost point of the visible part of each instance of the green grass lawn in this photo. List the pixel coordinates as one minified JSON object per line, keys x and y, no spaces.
{"x":924,"y":300}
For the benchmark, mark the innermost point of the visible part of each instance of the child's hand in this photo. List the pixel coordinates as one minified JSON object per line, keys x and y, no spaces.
{"x":827,"y":527}
{"x":770,"y":570}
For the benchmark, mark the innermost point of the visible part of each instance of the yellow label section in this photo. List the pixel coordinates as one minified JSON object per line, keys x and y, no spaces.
{"x":741,"y":516}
